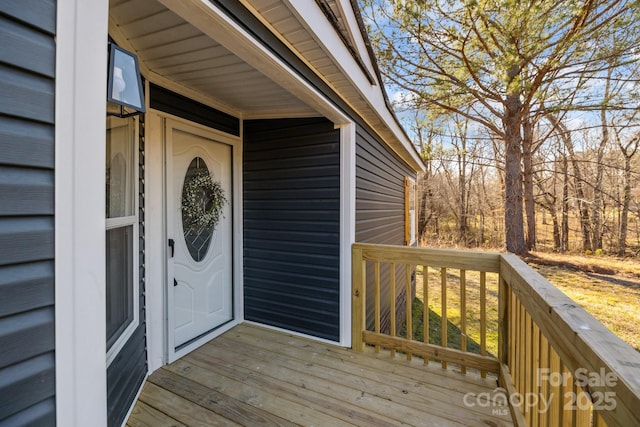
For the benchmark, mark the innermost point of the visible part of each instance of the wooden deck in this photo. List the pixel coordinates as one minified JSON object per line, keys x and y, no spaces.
{"x":253,"y":376}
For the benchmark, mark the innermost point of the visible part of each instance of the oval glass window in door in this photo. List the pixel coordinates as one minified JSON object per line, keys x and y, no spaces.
{"x":202,"y":203}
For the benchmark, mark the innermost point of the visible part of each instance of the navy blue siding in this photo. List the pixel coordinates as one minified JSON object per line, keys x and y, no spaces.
{"x":170,"y":102}
{"x":380,"y":205}
{"x":125,"y":376}
{"x":379,"y":192}
{"x":129,"y":369}
{"x":27,"y":313}
{"x":292,"y":225}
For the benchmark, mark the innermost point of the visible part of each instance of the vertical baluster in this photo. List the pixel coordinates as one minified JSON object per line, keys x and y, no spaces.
{"x":544,"y":384}
{"x":535,"y":367}
{"x":515,"y":362}
{"x":503,"y":320}
{"x":392,"y":304}
{"x":518,"y":362}
{"x":425,"y":311}
{"x":443,"y":317}
{"x":513,"y":329}
{"x":555,"y":408}
{"x":527,"y":362}
{"x":518,"y":345}
{"x":463,"y":315}
{"x":521,"y":348}
{"x":376,"y":298}
{"x":568,"y":411}
{"x":408,"y":300}
{"x":483,"y":318}
{"x":582,"y":416}
{"x":521,"y":343}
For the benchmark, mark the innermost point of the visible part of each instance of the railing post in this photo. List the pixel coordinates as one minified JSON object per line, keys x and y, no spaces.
{"x":503,"y":321}
{"x":358,"y":299}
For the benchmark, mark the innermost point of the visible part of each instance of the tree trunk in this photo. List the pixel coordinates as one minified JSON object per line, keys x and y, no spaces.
{"x":596,"y":211}
{"x":628,"y":152}
{"x":462,"y":186}
{"x":549,"y":204}
{"x":557,"y":238}
{"x":513,"y":227}
{"x":583,"y":208}
{"x":556,"y":231}
{"x":624,"y":215}
{"x":564,"y":246}
{"x":527,"y":168}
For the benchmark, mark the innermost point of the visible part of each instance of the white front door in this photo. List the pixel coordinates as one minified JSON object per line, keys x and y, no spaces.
{"x":200,"y":253}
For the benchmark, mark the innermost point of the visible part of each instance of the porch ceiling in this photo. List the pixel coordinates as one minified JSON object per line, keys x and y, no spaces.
{"x":187,"y":47}
{"x":172,"y":50}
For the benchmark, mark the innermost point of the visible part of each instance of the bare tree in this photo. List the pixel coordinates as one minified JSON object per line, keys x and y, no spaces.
{"x":628,"y":150}
{"x":490,"y":61}
{"x":583,"y":207}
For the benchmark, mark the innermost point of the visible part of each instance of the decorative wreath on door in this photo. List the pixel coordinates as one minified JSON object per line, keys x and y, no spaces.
{"x":202,"y":200}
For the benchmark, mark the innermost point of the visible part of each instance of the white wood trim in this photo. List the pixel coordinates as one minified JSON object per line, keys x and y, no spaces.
{"x":238,"y":227}
{"x":354,"y":30}
{"x":347,"y":225}
{"x":413,"y":227}
{"x":324,"y":33}
{"x":170,"y":354}
{"x":155,"y":240}
{"x":235,"y":143}
{"x":81,"y":67}
{"x":123,"y":220}
{"x":199,"y":129}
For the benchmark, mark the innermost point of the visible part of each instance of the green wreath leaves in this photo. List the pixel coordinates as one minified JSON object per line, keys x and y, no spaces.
{"x":202,"y":200}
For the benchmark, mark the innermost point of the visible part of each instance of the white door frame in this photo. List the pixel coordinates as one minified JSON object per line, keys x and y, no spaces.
{"x":171,"y":353}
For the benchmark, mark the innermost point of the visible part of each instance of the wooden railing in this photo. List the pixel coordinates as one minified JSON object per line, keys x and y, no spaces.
{"x":558,"y":365}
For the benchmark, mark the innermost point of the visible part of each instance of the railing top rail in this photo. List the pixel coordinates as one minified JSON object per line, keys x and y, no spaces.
{"x":438,"y":258}
{"x":581,"y":341}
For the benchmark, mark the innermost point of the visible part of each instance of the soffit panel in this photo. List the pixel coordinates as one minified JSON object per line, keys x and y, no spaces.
{"x":173,"y":49}
{"x":277,"y":14}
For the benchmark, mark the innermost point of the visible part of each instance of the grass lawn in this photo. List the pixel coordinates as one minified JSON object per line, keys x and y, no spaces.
{"x":608,"y":288}
{"x":434,"y":302}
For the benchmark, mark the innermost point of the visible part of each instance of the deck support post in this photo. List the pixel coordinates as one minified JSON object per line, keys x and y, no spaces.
{"x":358,"y":298}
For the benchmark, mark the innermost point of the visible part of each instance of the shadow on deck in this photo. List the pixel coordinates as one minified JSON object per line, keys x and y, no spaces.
{"x":253,"y":376}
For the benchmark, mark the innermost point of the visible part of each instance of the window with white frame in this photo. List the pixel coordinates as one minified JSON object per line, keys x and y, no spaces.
{"x":121,"y":233}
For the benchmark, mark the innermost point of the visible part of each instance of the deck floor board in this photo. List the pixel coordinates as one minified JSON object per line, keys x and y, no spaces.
{"x":258,"y":377}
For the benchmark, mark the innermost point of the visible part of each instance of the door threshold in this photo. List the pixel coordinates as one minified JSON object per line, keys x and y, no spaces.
{"x":187,"y":348}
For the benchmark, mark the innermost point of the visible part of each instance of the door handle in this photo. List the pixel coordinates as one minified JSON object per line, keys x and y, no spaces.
{"x":172,"y":245}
